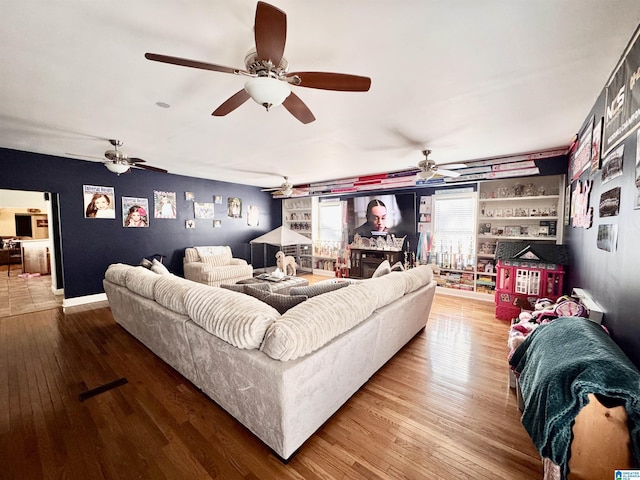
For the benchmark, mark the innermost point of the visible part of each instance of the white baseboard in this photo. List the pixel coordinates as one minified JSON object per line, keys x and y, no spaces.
{"x":57,"y":291}
{"x":74,"y":302}
{"x":485,"y":297}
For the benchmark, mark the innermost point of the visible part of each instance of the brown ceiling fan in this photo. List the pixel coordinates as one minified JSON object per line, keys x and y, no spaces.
{"x":119,"y":162}
{"x":269,"y":83}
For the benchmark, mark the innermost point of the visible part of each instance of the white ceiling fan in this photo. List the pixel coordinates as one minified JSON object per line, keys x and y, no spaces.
{"x":284,"y":190}
{"x":429,"y":169}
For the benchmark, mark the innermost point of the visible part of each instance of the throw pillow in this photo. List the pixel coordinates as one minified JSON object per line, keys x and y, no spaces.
{"x":280,"y":302}
{"x":146,"y":263}
{"x":397,"y":267}
{"x":216,"y":260}
{"x":242,"y":288}
{"x":317,"y":289}
{"x":159,"y":268}
{"x":383,"y":269}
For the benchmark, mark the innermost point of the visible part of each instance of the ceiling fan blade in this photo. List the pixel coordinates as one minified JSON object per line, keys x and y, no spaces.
{"x":149,"y":167}
{"x":298,"y":109}
{"x":454,"y":166}
{"x":270,"y":32}
{"x":447,"y":173}
{"x":231,"y":104}
{"x":330,"y":81}
{"x":135,"y":160}
{"x":185,"y":62}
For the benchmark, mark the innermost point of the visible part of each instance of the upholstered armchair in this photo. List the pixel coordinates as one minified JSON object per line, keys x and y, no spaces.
{"x":214,"y":266}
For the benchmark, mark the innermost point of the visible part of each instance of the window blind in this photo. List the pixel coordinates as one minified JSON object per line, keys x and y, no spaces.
{"x":454,"y":225}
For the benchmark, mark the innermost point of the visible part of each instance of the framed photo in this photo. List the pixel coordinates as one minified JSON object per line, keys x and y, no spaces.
{"x":164,"y":204}
{"x":203,"y":210}
{"x":512,"y":230}
{"x":217,"y":199}
{"x":610,"y":203}
{"x":98,"y":202}
{"x":253,"y":215}
{"x":234,"y":205}
{"x":612,"y":164}
{"x":190,"y":223}
{"x":189,"y":196}
{"x":135,"y":212}
{"x":217,"y":223}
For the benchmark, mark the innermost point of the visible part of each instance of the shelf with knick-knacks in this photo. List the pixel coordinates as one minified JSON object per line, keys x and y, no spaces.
{"x":529,"y":208}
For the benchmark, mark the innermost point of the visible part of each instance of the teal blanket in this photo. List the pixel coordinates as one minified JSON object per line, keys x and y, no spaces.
{"x":559,"y":364}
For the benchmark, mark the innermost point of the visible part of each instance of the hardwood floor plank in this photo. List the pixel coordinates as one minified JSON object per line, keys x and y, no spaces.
{"x":441,"y":408}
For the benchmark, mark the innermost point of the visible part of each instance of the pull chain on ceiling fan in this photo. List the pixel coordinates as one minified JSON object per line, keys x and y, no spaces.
{"x":270,"y":82}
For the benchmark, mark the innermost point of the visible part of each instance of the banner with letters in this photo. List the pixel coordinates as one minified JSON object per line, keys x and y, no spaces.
{"x":622,"y":107}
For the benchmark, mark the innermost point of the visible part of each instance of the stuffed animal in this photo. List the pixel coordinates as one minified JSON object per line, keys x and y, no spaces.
{"x":286,"y":263}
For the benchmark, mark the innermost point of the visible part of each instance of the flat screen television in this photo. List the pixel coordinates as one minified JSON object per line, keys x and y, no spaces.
{"x":387,"y":214}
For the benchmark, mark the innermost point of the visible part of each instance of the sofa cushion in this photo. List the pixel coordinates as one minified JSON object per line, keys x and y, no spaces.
{"x":157,"y":267}
{"x":417,"y":277}
{"x":212,"y":274}
{"x":117,"y":273}
{"x":213,"y":250}
{"x":383,"y":269}
{"x":169,"y":291}
{"x":387,"y":288}
{"x":242,"y":287}
{"x":216,"y":260}
{"x":237,"y":319}
{"x":317,"y":289}
{"x":315,"y":322}
{"x":141,"y":281}
{"x":280,"y":302}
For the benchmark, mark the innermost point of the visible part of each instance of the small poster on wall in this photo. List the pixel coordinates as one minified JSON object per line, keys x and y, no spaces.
{"x":234,"y":205}
{"x":253,"y":215}
{"x":608,"y":237}
{"x":135,"y":212}
{"x":164,"y":204}
{"x":98,"y":202}
{"x":610,"y":203}
{"x":203,"y":210}
{"x":612,"y":165}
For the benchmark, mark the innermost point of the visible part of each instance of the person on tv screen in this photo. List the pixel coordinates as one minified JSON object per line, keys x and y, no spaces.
{"x":376,"y":223}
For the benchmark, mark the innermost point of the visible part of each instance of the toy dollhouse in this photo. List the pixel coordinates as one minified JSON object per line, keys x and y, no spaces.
{"x":527,"y":271}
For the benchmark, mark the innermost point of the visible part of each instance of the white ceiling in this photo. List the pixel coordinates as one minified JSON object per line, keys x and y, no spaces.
{"x":468,"y":79}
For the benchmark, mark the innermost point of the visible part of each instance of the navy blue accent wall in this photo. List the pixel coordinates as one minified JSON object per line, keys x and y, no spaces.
{"x":89,"y":246}
{"x":613,"y":279}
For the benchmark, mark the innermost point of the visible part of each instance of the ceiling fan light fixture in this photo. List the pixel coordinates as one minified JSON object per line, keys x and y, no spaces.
{"x":267,"y":91}
{"x":424,"y":175}
{"x":117,"y":167}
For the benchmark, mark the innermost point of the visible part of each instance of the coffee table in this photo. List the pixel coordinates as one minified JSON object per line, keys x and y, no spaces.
{"x":283,"y":286}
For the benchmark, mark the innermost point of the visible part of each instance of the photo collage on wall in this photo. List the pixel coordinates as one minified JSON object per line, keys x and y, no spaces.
{"x":100,"y":202}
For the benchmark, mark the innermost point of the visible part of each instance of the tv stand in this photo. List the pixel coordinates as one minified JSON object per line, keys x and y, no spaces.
{"x":365,"y":261}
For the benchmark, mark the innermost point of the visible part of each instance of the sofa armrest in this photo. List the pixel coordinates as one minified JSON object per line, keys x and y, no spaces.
{"x":238,"y":261}
{"x":194,"y":271}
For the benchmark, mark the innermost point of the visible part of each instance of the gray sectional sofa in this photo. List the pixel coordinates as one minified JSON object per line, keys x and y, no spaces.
{"x":280,"y":375}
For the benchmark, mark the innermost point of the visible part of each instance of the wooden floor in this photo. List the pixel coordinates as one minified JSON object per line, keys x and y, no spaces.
{"x":25,"y":294}
{"x":440,"y":409}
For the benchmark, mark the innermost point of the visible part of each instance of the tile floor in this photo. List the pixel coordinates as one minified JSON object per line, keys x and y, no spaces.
{"x":25,"y":295}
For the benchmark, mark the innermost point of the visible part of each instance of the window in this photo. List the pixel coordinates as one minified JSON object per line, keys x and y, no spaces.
{"x":328,"y":238}
{"x":454,"y":220}
{"x":330,"y":221}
